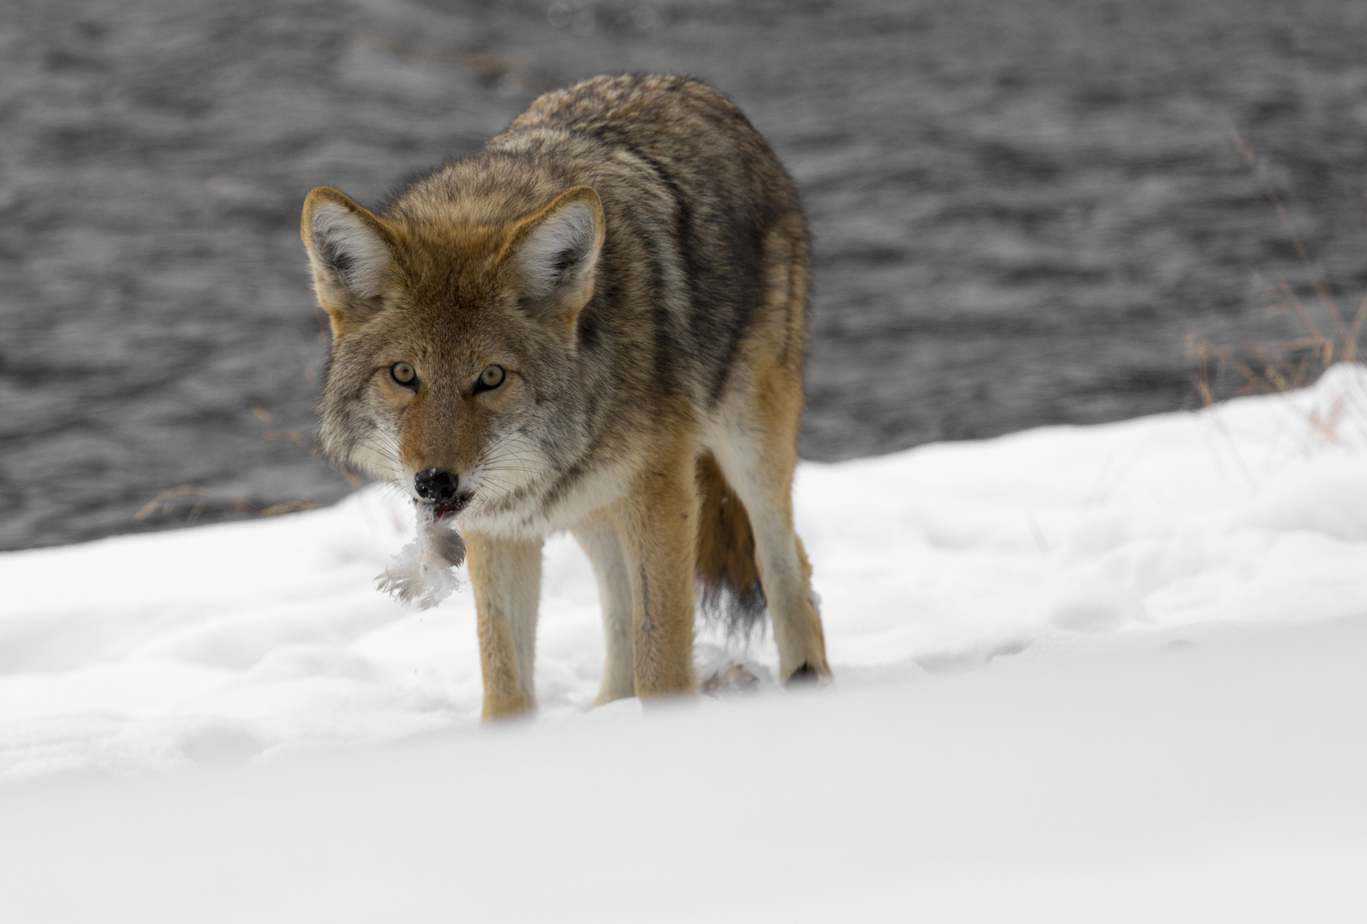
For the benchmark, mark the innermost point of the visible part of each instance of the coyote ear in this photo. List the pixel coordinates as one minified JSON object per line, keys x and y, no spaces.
{"x":350,"y":251}
{"x":556,"y":251}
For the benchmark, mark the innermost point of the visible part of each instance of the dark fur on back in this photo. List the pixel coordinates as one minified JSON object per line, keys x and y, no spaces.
{"x":725,"y":188}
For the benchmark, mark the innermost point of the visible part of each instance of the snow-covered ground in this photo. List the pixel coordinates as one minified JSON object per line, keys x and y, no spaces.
{"x":1111,"y":672}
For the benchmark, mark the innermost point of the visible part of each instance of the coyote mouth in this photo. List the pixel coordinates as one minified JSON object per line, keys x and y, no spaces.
{"x":450,"y":508}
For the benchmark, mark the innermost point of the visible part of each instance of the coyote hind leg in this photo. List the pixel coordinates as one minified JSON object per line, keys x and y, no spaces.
{"x":755,"y":442}
{"x":758,"y":458}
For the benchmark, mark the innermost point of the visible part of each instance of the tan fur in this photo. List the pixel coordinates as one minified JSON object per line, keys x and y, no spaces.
{"x":506,"y":576}
{"x":656,"y":523}
{"x":634,"y":257}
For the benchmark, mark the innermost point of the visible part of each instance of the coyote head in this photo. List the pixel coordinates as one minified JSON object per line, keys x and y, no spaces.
{"x":452,"y":371}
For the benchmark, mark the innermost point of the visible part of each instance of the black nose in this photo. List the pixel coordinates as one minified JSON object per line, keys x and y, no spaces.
{"x":435,"y":485}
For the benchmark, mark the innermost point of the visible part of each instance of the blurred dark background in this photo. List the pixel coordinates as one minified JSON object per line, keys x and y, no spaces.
{"x":1026,"y":213}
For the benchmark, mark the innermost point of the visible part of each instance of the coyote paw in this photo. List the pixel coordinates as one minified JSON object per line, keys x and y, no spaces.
{"x":808,"y":676}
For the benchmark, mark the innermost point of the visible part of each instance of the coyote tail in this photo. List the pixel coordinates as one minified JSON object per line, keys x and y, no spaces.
{"x":726,"y":568}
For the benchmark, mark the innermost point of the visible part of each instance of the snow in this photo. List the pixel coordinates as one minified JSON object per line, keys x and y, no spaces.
{"x":1107,"y":671}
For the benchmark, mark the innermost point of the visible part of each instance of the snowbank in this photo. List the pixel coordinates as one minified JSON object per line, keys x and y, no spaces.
{"x":1174,"y":611}
{"x":1217,"y":780}
{"x":244,"y":641}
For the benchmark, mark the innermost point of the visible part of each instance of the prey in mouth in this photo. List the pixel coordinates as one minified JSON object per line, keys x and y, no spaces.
{"x":447,"y":509}
{"x":422,"y":574}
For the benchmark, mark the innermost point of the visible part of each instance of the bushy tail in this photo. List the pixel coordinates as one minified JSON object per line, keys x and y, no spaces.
{"x":729,"y":578}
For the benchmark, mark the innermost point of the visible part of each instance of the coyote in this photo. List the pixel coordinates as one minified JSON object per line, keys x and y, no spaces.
{"x":596,"y":324}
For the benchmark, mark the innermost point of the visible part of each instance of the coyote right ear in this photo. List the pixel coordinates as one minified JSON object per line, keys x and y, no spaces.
{"x":556,"y":251}
{"x":350,"y":251}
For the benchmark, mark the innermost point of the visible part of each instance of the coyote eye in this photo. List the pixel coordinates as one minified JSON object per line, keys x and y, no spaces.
{"x":489,"y":379}
{"x":404,"y":374}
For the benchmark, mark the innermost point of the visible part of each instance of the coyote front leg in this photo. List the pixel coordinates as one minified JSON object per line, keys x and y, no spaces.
{"x":507,"y":581}
{"x":657,"y":526}
{"x":599,"y":539}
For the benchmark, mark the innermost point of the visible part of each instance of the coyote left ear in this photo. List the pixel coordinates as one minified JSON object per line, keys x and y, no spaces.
{"x":556,"y":251}
{"x":350,"y":251}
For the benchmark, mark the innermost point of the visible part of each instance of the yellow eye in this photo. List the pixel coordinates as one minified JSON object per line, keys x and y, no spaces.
{"x":404,"y":374}
{"x":489,"y":379}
